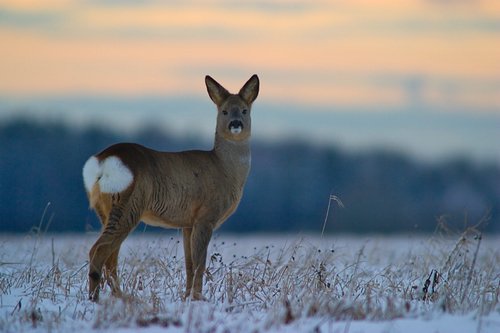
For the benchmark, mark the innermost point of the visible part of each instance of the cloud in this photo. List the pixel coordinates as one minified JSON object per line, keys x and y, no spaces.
{"x":290,"y":20}
{"x":32,"y":20}
{"x":322,"y":52}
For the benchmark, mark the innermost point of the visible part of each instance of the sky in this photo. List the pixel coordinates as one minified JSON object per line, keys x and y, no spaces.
{"x":328,"y":69}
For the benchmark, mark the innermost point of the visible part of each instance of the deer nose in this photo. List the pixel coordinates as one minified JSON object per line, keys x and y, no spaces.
{"x":235,"y":126}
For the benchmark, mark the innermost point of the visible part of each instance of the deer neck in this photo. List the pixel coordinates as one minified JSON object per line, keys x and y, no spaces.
{"x":234,"y":156}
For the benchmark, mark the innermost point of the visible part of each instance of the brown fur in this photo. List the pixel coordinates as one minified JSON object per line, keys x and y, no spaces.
{"x":193,"y":190}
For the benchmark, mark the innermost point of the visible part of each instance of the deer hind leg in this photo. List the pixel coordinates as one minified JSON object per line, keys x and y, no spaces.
{"x":102,"y":208}
{"x":111,"y":273}
{"x":200,"y":237}
{"x":105,"y":250}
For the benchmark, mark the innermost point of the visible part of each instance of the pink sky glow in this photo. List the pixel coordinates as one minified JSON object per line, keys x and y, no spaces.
{"x":440,"y":53}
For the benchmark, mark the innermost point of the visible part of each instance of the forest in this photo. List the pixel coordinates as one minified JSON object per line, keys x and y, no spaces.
{"x":288,"y":190}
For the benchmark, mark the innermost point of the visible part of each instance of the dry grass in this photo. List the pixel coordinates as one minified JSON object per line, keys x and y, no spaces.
{"x":266,"y":281}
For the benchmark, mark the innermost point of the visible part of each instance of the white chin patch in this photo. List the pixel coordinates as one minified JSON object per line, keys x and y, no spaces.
{"x":236,"y":130}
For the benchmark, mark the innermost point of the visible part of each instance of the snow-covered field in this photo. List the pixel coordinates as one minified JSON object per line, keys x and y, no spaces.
{"x":258,"y":283}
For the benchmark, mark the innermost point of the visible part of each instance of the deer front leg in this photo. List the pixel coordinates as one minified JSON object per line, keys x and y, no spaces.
{"x":186,"y":235}
{"x":200,"y":237}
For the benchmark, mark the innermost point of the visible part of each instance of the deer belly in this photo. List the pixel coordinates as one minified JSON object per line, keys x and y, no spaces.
{"x":157,"y":221}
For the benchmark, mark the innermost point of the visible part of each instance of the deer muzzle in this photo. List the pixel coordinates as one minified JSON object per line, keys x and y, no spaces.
{"x":236,"y":126}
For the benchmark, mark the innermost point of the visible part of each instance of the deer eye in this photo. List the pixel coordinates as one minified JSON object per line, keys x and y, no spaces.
{"x":224,"y":112}
{"x":244,"y":111}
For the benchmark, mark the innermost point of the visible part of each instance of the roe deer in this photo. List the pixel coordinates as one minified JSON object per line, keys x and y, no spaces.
{"x":193,"y":190}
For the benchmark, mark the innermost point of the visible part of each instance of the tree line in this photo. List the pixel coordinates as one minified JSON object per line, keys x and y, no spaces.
{"x":288,"y":190}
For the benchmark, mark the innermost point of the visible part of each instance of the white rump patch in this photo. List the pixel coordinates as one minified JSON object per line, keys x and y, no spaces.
{"x":115,"y":177}
{"x":91,"y":171}
{"x":112,"y":175}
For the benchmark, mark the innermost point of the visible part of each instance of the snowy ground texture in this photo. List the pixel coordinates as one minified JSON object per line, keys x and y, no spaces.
{"x":258,"y":283}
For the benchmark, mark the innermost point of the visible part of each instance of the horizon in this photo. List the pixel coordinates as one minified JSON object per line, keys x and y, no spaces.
{"x":360,"y":74}
{"x":423,"y":136}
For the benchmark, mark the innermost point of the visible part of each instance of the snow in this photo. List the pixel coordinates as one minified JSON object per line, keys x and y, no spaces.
{"x":257,"y":283}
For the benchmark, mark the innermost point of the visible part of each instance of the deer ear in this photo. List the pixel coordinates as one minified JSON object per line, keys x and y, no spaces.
{"x":250,"y":90}
{"x":217,"y":93}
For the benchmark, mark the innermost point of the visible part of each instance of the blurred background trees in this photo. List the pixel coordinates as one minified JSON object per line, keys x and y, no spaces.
{"x":287,"y":191}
